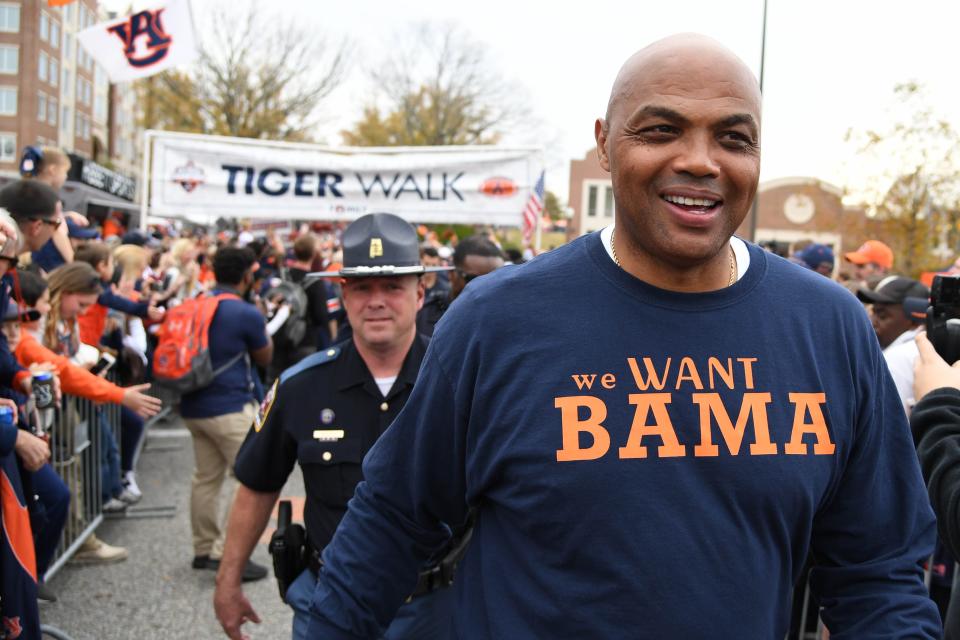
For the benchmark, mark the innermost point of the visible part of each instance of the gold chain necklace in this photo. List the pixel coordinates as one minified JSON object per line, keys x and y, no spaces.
{"x":733,"y":259}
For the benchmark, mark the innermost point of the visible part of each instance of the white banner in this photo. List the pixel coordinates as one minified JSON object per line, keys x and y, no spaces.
{"x":143,"y":43}
{"x":207,"y":177}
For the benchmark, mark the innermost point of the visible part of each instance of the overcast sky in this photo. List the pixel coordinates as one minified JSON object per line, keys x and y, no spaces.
{"x":830,"y":64}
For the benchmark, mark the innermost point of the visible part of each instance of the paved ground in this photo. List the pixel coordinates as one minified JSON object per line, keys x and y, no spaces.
{"x":155,"y":593}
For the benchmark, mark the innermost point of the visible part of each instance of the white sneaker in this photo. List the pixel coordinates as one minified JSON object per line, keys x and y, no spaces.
{"x":130,"y":488}
{"x":128,"y":497}
{"x":96,"y":551}
{"x":114,"y":505}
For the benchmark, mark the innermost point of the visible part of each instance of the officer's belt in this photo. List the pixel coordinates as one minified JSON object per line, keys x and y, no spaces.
{"x":428,"y":581}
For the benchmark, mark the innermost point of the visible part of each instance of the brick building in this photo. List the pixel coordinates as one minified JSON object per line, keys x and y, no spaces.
{"x":53,"y":93}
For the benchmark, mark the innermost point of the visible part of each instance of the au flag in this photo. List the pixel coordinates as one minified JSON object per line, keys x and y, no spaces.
{"x":143,"y":43}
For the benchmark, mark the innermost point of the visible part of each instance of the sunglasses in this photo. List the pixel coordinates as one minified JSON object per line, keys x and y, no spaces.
{"x":467,"y":277}
{"x":53,"y":223}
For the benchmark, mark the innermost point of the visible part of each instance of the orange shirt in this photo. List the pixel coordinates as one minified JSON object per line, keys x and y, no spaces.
{"x":92,"y":323}
{"x":74,"y":380}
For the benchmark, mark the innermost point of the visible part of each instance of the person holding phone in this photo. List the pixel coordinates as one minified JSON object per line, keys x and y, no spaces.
{"x":74,"y":379}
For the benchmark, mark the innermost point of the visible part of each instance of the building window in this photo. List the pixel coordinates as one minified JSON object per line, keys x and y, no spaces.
{"x":100,"y":107}
{"x":83,"y":127}
{"x":54,"y":72}
{"x":41,"y":107}
{"x":44,"y":26}
{"x":8,"y":101}
{"x":592,"y":201}
{"x":9,"y":59}
{"x":43,"y":66}
{"x":65,"y":85}
{"x":8,"y":147}
{"x":65,"y":117}
{"x":52,"y":110}
{"x":9,"y":18}
{"x":608,"y":202}
{"x":54,"y":35}
{"x":68,"y":45}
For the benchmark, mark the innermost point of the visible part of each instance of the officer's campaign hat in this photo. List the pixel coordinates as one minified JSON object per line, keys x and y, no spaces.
{"x":380,"y":244}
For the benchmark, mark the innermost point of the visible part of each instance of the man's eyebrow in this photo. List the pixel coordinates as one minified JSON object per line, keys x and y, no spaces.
{"x":740,"y":118}
{"x":654,"y":111}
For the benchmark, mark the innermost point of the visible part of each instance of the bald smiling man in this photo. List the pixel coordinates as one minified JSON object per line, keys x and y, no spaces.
{"x":653,"y":425}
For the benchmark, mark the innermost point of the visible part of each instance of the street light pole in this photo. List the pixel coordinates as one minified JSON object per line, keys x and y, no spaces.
{"x":755,"y":209}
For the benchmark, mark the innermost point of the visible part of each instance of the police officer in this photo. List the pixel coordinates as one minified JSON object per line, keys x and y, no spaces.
{"x":325,"y":413}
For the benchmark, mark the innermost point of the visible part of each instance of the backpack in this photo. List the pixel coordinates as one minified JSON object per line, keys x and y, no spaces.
{"x":291,"y":334}
{"x":182,"y":361}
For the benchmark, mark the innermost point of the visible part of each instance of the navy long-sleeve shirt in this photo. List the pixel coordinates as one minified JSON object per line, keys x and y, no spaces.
{"x":9,"y":367}
{"x":644,"y":463}
{"x":111,"y":300}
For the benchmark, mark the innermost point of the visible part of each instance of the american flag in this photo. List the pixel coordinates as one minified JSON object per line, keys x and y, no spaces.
{"x":531,"y":212}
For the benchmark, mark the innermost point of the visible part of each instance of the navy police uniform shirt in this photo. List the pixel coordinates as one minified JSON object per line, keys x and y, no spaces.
{"x":325,"y":413}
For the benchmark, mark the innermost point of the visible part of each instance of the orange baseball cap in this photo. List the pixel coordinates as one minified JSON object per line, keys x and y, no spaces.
{"x":872,"y":251}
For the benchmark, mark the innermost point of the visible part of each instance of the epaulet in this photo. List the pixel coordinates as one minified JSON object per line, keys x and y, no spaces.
{"x":313,"y":360}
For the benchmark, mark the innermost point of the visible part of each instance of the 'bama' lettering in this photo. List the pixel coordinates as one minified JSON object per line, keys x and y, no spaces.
{"x":585,"y":437}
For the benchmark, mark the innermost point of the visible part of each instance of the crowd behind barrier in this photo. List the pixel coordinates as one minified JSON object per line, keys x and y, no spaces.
{"x":76,"y":454}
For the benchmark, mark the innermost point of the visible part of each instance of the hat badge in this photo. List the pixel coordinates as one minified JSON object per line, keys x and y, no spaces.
{"x":376,"y":247}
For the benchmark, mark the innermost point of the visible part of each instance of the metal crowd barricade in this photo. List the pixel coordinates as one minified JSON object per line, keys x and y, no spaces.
{"x":75,"y":450}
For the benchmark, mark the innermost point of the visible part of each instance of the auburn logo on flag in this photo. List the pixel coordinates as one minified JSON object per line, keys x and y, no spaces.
{"x":145,"y":24}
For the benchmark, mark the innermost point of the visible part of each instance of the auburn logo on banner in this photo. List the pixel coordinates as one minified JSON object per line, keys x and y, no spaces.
{"x":143,"y":43}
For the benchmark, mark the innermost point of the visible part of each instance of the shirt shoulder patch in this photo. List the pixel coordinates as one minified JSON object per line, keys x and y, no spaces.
{"x":265,"y":406}
{"x":313,"y":360}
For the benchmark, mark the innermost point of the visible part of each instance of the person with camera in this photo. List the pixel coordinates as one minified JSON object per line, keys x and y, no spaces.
{"x":325,"y":413}
{"x":317,"y":327}
{"x":935,"y":422}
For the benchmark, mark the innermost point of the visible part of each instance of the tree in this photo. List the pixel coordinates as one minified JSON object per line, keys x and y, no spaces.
{"x":551,"y":206}
{"x":912,"y":183}
{"x":438,"y":89}
{"x":250,"y":81}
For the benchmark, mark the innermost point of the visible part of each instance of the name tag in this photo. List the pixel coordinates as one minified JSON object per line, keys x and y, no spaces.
{"x":328,"y":435}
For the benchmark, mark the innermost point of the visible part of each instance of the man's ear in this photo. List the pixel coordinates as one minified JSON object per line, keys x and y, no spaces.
{"x":600,"y":131}
{"x":421,"y":293}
